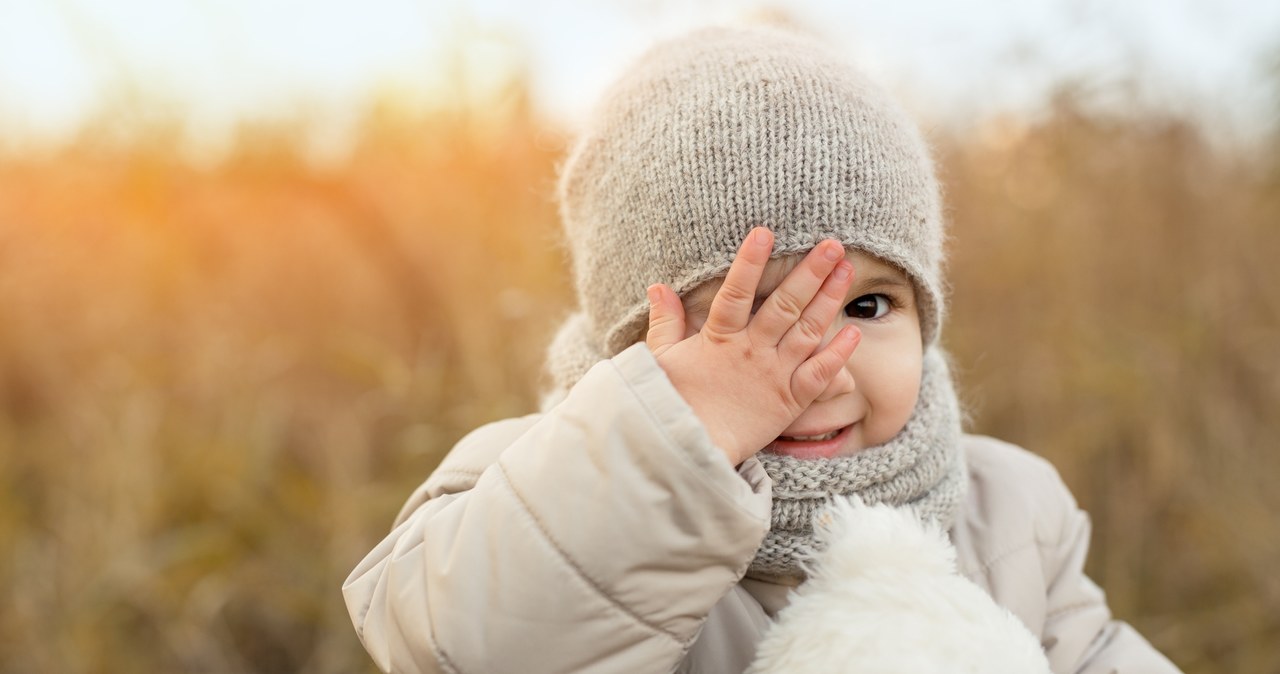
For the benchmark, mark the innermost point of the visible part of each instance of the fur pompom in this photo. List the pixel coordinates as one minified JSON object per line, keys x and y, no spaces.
{"x":884,"y":597}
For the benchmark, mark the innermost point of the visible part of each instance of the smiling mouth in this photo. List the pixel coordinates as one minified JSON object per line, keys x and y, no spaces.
{"x":811,"y":438}
{"x":824,"y":446}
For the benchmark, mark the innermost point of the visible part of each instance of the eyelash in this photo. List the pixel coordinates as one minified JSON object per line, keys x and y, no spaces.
{"x":851,"y":308}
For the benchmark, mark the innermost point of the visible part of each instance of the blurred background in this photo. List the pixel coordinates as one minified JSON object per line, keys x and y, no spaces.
{"x":261,"y":264}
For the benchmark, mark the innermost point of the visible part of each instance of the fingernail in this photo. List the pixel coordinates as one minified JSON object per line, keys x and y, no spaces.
{"x":654,"y":293}
{"x":842,"y":272}
{"x":834,"y":251}
{"x":761,"y":236}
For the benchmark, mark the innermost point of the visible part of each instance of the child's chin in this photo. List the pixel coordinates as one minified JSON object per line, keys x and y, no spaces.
{"x":841,"y":445}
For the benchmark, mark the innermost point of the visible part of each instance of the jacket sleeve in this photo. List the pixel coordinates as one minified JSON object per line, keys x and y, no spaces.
{"x":1079,"y":633}
{"x":597,"y":541}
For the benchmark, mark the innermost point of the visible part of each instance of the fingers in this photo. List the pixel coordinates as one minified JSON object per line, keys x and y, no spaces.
{"x":787,"y":303}
{"x":806,"y":334}
{"x":731,"y":309}
{"x":666,"y":319}
{"x":814,"y":375}
{"x":842,"y":383}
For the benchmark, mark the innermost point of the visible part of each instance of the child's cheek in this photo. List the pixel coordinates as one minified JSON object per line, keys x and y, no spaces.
{"x":888,"y":374}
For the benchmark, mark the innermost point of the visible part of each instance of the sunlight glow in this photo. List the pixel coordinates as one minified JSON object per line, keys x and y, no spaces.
{"x":215,"y":63}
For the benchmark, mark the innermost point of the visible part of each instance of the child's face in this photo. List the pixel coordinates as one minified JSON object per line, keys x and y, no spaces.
{"x":872,"y":399}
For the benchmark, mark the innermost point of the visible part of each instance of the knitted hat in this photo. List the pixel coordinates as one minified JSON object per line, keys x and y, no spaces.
{"x":722,"y":130}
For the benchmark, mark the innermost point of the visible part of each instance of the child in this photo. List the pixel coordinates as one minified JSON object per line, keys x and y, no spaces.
{"x":757,"y":242}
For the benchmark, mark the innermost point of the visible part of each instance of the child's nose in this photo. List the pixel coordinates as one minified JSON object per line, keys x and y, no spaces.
{"x":841,"y":385}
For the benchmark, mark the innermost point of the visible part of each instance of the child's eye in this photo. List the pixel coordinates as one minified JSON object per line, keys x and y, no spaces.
{"x":868,"y":306}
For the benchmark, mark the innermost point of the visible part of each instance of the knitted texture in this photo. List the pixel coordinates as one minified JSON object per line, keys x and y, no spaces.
{"x":921,"y":467}
{"x":722,"y":130}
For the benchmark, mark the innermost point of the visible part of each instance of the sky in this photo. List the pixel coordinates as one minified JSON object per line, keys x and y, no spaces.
{"x":217,"y":62}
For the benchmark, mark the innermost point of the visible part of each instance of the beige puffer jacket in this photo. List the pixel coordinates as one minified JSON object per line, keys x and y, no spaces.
{"x":609,"y":535}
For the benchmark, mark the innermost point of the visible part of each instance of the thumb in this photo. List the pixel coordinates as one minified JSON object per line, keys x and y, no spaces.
{"x":666,"y":319}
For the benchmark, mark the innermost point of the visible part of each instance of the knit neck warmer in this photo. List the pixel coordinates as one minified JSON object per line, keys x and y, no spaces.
{"x":921,"y":467}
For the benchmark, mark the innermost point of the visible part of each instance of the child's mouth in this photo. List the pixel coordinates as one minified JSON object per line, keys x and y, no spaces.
{"x":823,"y":446}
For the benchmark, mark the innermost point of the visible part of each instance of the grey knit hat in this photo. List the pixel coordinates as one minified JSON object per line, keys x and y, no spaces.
{"x":722,"y":130}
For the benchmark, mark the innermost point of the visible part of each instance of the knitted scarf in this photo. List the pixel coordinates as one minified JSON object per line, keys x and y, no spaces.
{"x":921,"y":467}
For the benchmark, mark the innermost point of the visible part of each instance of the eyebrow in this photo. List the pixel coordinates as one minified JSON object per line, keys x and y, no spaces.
{"x":882,"y":282}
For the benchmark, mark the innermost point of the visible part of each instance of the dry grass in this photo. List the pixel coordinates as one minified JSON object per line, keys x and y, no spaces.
{"x":218,"y":384}
{"x":1117,"y":308}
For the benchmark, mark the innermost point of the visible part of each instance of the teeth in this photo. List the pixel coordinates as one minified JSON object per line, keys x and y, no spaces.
{"x":811,"y":438}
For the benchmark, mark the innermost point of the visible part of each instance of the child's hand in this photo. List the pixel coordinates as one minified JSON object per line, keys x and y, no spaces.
{"x":749,"y":377}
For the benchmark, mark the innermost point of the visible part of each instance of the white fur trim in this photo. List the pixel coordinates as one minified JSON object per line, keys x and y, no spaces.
{"x":884,"y":597}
